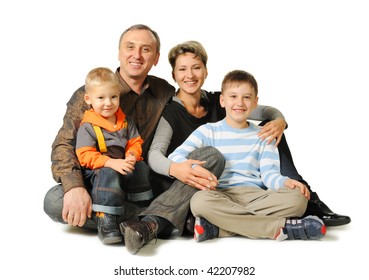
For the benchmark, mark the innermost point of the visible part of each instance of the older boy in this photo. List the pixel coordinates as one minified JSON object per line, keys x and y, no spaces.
{"x":252,"y":198}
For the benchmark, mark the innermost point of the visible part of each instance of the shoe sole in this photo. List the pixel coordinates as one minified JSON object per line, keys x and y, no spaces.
{"x":131,"y":239}
{"x":112,"y":240}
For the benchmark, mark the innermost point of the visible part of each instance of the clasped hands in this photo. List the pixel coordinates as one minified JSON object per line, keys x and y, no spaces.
{"x":197,"y":176}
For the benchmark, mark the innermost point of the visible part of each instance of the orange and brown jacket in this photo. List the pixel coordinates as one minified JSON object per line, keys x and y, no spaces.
{"x":121,"y":139}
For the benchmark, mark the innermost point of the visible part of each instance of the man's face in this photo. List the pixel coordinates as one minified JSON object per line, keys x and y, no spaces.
{"x":137,"y":54}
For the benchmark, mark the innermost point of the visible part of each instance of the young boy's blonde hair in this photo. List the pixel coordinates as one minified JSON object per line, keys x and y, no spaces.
{"x":102,"y":76}
{"x":239,"y":76}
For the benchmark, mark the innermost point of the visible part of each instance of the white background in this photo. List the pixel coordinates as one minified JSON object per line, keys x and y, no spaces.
{"x":311,"y":61}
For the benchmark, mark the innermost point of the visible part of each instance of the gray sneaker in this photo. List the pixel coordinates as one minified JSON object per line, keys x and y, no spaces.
{"x":308,"y":228}
{"x":204,"y":230}
{"x":107,"y":227}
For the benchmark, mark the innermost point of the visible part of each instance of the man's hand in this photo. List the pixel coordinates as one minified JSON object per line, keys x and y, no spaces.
{"x":274,"y":130}
{"x":197,"y":177}
{"x":77,"y":206}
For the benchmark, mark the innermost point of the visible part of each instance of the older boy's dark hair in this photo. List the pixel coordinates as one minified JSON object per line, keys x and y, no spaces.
{"x":237,"y":76}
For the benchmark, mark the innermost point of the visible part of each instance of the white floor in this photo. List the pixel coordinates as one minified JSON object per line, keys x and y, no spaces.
{"x":48,"y":250}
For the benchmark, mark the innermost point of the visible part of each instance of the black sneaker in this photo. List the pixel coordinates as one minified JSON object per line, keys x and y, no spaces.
{"x":204,"y":230}
{"x":188,"y":230}
{"x":308,"y":228}
{"x":107,"y":228}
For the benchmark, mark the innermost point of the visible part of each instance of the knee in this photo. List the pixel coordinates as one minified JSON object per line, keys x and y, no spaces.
{"x":194,"y":204}
{"x":53,"y":203}
{"x":108,"y":178}
{"x":142,"y":167}
{"x":198,"y":202}
{"x":215,"y":161}
{"x":299,"y":204}
{"x":107,"y":171}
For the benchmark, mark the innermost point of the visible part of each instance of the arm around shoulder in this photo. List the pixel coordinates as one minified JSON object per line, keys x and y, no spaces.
{"x":263,"y":112}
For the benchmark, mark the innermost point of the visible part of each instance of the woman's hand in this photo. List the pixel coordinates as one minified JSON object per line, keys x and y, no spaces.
{"x":197,"y":177}
{"x":273,"y":130}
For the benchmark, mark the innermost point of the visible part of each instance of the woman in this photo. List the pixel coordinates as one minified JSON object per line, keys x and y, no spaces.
{"x":190,"y":108}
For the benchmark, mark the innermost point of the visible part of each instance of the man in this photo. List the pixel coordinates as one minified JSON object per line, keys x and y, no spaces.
{"x":143,"y":97}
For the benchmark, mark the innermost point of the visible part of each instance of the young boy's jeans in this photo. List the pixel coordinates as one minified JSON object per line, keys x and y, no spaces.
{"x":109,"y":189}
{"x":136,"y":191}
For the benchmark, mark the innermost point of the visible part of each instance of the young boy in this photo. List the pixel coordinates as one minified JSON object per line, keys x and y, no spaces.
{"x":252,"y":199}
{"x":108,"y":146}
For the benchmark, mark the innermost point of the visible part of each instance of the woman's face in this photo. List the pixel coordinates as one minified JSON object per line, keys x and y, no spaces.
{"x":189,"y":73}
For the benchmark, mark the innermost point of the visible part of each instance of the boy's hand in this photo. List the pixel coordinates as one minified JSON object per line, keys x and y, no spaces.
{"x":130,"y":157}
{"x":123,"y":166}
{"x":292,"y":184}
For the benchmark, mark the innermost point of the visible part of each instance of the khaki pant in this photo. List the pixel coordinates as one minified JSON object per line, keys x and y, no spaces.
{"x":248,"y":211}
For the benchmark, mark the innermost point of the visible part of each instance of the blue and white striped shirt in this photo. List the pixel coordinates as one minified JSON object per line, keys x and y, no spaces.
{"x":250,"y":162}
